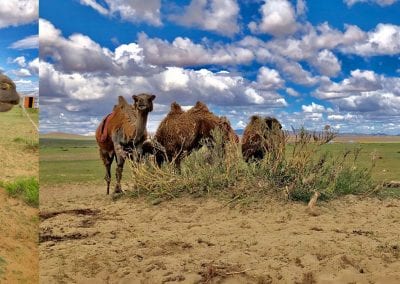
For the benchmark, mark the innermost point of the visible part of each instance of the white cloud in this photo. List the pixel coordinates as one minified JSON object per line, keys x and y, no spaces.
{"x":326,"y":63}
{"x":129,"y":10}
{"x":384,"y":40}
{"x":20,"y":60}
{"x":292,"y":92}
{"x":278,"y":19}
{"x":18,"y":12}
{"x":220,"y":16}
{"x":313,"y":108}
{"x":93,"y":4}
{"x":79,"y":53}
{"x":23,"y":72}
{"x":33,"y":66}
{"x":379,"y":2}
{"x":301,"y":7}
{"x":341,"y":117}
{"x":269,"y":79}
{"x":183,"y":52}
{"x":359,"y":81}
{"x":30,"y":42}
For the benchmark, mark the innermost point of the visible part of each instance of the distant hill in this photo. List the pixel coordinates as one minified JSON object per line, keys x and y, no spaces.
{"x":62,"y":135}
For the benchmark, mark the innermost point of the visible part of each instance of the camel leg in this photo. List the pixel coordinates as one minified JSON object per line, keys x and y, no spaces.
{"x":121,"y":155}
{"x":107,"y":161}
{"x":118,"y":174}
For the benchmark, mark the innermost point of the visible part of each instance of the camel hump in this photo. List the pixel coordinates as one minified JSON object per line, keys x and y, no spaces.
{"x":200,"y":106}
{"x":254,"y":118}
{"x":272,"y":122}
{"x":175,"y":108}
{"x":122,"y":101}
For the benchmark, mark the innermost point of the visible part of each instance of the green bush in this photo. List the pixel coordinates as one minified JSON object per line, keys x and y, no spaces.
{"x":294,"y":170}
{"x":25,"y":188}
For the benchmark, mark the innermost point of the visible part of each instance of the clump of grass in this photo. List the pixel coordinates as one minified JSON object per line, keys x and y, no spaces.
{"x":2,"y":265}
{"x":293,"y":170}
{"x":25,"y":188}
{"x":29,"y":144}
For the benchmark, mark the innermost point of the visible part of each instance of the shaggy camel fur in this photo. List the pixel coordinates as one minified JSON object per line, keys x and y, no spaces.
{"x":121,"y":131}
{"x":257,"y":137}
{"x":8,"y":94}
{"x":181,"y":132}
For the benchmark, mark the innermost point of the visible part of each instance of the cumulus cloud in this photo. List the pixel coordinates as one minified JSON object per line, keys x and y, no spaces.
{"x":18,"y":12}
{"x":269,"y":79}
{"x":365,"y":93}
{"x":341,"y":117}
{"x":220,"y":16}
{"x":313,"y":108}
{"x":292,"y":92}
{"x":379,"y":2}
{"x":383,"y":40}
{"x":278,"y":18}
{"x":129,"y":10}
{"x":359,"y":81}
{"x":79,"y":53}
{"x":373,"y":103}
{"x":182,"y":51}
{"x":23,"y":72}
{"x":20,"y":60}
{"x":30,"y":42}
{"x":326,"y":63}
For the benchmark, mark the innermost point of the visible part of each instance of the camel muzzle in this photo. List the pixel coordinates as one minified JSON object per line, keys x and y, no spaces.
{"x":142,"y":107}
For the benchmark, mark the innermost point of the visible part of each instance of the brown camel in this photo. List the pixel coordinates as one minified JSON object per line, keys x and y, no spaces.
{"x":257,"y":137}
{"x":8,"y":94}
{"x":181,"y":132}
{"x":122,"y":131}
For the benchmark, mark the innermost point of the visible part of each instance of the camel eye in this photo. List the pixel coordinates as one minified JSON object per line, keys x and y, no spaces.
{"x":5,"y":86}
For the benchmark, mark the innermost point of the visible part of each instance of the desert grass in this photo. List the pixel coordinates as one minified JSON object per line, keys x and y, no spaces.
{"x":25,"y":188}
{"x":294,"y":172}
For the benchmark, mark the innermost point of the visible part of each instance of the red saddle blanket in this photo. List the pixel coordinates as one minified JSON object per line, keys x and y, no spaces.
{"x":104,"y":126}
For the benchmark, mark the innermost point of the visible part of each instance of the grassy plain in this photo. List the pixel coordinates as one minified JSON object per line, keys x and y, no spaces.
{"x":77,"y":160}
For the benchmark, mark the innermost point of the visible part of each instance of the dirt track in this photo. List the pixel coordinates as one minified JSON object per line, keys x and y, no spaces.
{"x":88,"y":238}
{"x":18,"y":241}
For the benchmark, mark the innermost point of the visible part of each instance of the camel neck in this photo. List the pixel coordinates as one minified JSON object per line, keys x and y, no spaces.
{"x":141,"y":123}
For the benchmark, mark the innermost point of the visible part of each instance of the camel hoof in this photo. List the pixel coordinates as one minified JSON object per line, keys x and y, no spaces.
{"x":117,"y":195}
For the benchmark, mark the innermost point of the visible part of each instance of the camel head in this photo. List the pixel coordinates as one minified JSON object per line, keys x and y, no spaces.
{"x":144,"y":102}
{"x":152,"y":147}
{"x":8,"y":94}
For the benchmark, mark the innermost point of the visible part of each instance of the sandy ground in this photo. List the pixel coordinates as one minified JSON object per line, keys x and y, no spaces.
{"x":85,"y":237}
{"x":19,"y":260}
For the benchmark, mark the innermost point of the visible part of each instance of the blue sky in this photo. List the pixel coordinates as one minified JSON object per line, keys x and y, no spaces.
{"x":308,"y":63}
{"x":19,"y":44}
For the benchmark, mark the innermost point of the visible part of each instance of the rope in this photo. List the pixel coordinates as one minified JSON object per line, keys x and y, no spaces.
{"x":30,"y":119}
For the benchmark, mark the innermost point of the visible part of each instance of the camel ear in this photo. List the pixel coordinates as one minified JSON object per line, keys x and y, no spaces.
{"x":152,"y":97}
{"x":254,"y":118}
{"x":135,"y":98}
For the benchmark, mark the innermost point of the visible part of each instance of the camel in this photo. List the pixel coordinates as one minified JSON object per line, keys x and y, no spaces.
{"x":122,"y":131}
{"x":181,"y":132}
{"x":8,"y":94}
{"x":257,"y":137}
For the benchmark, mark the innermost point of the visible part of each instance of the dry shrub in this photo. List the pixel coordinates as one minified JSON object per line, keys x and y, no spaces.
{"x":294,"y":170}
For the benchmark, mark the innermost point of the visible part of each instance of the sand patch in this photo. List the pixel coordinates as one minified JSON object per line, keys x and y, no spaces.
{"x":202,"y":240}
